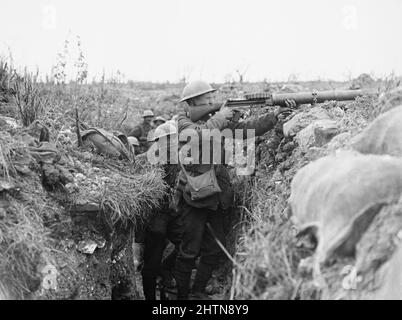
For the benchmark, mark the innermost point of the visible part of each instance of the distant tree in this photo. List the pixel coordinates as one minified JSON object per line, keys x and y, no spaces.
{"x":293,"y":77}
{"x":242,"y":73}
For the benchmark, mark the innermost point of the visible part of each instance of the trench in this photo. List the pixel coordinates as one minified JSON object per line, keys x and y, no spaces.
{"x":111,"y":267}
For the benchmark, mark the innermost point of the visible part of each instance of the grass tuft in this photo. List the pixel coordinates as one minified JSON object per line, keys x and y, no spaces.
{"x":31,"y":105}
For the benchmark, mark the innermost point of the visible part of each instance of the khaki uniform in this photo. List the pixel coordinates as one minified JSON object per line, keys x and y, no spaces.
{"x":197,"y":240}
{"x":166,"y":225}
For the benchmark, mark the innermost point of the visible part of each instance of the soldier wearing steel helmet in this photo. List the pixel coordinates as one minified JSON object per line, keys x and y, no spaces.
{"x":134,"y":145}
{"x":158,"y":121}
{"x":166,"y":224}
{"x":201,"y":214}
{"x":141,"y":131}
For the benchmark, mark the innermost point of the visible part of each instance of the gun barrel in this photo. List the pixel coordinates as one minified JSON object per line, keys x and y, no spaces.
{"x":278,"y":99}
{"x":317,"y":96}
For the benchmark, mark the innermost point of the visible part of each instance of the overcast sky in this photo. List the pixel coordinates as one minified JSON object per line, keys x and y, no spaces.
{"x":161,"y":40}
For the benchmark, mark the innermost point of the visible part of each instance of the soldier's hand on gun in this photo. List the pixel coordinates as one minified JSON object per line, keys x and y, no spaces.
{"x":282,"y":112}
{"x":290,"y":103}
{"x":226,"y":111}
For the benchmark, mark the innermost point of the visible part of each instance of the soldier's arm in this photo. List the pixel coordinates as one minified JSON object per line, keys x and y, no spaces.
{"x":217,"y":121}
{"x":261,"y":125}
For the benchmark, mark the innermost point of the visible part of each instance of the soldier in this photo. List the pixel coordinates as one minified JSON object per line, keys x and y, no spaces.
{"x":158,"y":121}
{"x":166,"y":225}
{"x":134,"y":145}
{"x":141,"y":130}
{"x":197,"y":240}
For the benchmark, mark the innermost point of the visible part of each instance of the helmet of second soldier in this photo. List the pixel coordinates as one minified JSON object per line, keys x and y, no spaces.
{"x":159,"y":120}
{"x":168,"y":128}
{"x":147,"y":113}
{"x":194,"y":89}
{"x":166,"y":140}
{"x":133,"y":141}
{"x":134,"y":145}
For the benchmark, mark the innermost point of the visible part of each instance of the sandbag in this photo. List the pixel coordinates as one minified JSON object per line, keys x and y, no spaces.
{"x":383,"y":135}
{"x":317,"y":134}
{"x":336,"y":194}
{"x":302,"y":120}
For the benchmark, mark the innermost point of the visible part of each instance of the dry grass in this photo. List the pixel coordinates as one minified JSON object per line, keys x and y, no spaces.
{"x":12,"y":150}
{"x":265,"y":249}
{"x":4,"y":162}
{"x":7,"y":76}
{"x":358,"y":114}
{"x":24,"y":240}
{"x":269,"y":267}
{"x":354,"y":115}
{"x":31,"y":105}
{"x":125,"y":191}
{"x":131,"y":198}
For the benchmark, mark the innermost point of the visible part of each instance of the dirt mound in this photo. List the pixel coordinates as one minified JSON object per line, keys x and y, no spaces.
{"x":362,"y":81}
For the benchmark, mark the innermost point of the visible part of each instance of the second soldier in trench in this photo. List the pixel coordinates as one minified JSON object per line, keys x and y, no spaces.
{"x":166,"y":224}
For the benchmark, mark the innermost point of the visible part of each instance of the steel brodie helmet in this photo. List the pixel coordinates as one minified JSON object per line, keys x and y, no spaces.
{"x":195,"y":89}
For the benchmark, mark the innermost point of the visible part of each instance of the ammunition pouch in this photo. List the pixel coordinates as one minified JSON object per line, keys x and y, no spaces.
{"x":202,"y":186}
